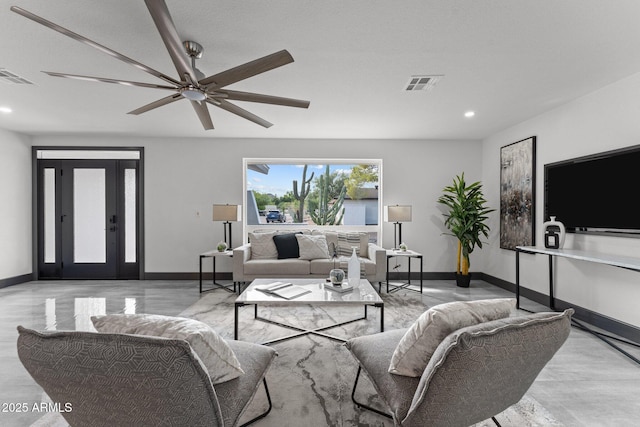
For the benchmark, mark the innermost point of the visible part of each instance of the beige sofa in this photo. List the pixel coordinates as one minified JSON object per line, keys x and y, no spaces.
{"x":259,"y":257}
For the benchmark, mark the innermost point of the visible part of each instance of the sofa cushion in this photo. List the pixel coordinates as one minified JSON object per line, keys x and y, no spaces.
{"x":274,"y":268}
{"x":212,"y":349}
{"x":346,"y":242}
{"x":421,"y":340}
{"x":263,"y":246}
{"x":287,"y":245}
{"x":312,"y":246}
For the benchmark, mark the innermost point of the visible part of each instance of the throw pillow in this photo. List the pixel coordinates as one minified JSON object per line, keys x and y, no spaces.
{"x":346,"y":242}
{"x":312,"y":246}
{"x":332,"y":240}
{"x":211,"y":348}
{"x":286,"y":245}
{"x":418,"y":344}
{"x":262,"y":245}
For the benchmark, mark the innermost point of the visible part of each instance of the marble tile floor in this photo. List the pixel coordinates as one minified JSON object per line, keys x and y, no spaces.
{"x":586,"y":384}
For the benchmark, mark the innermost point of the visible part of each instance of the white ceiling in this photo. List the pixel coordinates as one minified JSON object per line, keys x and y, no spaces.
{"x":506,"y":60}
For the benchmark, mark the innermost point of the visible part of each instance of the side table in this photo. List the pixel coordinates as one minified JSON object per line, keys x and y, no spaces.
{"x":392,"y":253}
{"x":213,"y":255}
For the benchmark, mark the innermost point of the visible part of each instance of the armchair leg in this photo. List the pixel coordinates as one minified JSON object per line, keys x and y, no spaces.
{"x":265,"y":413}
{"x":362,"y":405}
{"x":496,"y":421}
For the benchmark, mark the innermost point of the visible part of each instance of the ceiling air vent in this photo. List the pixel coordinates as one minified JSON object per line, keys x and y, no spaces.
{"x":7,"y":76}
{"x":420,"y":83}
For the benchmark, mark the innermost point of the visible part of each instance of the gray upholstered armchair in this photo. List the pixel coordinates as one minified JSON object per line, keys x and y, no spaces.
{"x":475,"y":373}
{"x":102,"y":379}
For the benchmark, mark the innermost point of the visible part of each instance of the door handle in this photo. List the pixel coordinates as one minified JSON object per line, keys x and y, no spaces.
{"x":113,"y":219}
{"x":113,"y":228}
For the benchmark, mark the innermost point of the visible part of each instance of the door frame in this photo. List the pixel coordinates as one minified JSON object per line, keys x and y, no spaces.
{"x":35,"y":186}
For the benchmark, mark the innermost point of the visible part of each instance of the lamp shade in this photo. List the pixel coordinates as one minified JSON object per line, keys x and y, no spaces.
{"x":227,"y":212}
{"x":397,"y":213}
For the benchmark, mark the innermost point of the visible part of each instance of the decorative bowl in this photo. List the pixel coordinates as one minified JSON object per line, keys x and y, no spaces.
{"x":337,"y":276}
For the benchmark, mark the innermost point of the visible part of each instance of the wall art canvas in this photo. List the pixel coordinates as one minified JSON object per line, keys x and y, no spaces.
{"x":517,"y":194}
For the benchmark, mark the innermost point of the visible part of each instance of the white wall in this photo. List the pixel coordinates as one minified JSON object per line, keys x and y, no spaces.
{"x":185,"y":177}
{"x":15,"y":205}
{"x":603,"y":120}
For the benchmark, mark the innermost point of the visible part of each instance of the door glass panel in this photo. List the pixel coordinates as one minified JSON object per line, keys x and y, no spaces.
{"x":130,"y":215}
{"x":89,"y":214}
{"x":49,"y":215}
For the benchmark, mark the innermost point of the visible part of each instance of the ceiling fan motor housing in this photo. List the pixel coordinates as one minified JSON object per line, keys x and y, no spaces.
{"x":194,"y":50}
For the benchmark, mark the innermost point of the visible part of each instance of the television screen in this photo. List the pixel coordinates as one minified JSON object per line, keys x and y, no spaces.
{"x":595,"y":193}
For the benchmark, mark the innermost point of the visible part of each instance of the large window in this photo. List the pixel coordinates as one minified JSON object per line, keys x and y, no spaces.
{"x":313,"y":193}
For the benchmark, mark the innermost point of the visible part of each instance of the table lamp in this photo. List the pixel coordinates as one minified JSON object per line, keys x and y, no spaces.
{"x":228,"y":214}
{"x":397,"y":214}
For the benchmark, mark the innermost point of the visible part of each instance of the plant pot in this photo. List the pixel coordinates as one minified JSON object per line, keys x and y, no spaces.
{"x":463,"y":280}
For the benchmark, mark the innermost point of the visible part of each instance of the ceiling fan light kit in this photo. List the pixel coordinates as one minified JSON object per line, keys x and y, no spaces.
{"x":192,"y":83}
{"x":193,"y":93}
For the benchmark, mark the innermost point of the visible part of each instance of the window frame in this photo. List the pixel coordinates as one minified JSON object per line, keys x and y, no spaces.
{"x":375,"y":231}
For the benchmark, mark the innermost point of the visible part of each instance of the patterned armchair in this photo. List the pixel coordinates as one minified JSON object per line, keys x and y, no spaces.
{"x":132,"y":380}
{"x":475,"y":373}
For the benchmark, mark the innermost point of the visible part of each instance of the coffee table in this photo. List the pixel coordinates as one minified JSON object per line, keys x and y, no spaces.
{"x":362,"y":294}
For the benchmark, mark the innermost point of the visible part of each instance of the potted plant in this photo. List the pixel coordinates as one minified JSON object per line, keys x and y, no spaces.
{"x":466,"y":221}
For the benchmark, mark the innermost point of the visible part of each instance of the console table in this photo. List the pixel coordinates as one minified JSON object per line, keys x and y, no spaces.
{"x":629,"y":263}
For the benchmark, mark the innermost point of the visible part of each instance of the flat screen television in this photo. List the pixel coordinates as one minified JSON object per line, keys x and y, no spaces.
{"x":597,"y":193}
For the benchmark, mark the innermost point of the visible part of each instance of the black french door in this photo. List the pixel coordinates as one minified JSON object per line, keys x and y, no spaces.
{"x":88,"y":219}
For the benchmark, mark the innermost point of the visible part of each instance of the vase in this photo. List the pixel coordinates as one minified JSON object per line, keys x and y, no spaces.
{"x":353,"y":269}
{"x":222,"y":246}
{"x":336,"y":276}
{"x":554,"y":233}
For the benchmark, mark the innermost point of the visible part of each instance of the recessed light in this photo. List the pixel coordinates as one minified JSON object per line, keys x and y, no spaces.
{"x":469,"y":114}
{"x":5,"y":110}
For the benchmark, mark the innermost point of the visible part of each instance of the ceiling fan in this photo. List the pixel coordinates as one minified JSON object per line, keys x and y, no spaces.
{"x":191,"y":84}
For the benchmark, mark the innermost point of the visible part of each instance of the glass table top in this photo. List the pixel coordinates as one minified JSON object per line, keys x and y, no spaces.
{"x":362,"y":293}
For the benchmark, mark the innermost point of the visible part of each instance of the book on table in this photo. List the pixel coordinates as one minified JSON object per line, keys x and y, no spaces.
{"x":344,"y":287}
{"x":284,"y":290}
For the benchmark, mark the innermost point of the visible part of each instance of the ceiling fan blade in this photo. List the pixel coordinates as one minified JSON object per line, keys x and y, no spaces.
{"x":106,"y":80}
{"x":164,"y":23}
{"x":265,"y":99}
{"x":93,"y":44}
{"x":203,"y":114}
{"x":221,"y":103}
{"x":247,"y":70}
{"x":155,"y":104}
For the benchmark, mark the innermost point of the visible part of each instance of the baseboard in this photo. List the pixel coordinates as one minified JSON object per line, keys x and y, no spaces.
{"x":434,"y":275}
{"x":593,"y":318}
{"x":10,"y":281}
{"x":187,"y":276}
